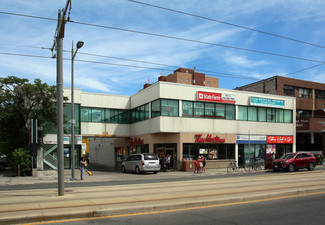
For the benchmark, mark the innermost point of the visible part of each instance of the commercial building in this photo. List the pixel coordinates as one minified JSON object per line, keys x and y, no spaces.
{"x":182,"y":120}
{"x":310,"y":108}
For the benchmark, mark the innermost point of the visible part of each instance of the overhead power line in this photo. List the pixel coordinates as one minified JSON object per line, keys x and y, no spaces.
{"x":176,"y":38}
{"x":227,"y":23}
{"x":196,"y":41}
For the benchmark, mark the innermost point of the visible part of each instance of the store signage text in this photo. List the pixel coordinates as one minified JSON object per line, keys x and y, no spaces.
{"x":215,"y":97}
{"x":279,"y":139}
{"x":267,"y":102}
{"x":136,"y":141}
{"x":208,"y":138}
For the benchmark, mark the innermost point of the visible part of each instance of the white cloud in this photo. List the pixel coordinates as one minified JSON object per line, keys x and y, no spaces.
{"x":243,"y":61}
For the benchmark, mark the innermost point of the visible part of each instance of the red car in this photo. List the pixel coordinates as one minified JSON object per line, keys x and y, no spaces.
{"x":295,"y":161}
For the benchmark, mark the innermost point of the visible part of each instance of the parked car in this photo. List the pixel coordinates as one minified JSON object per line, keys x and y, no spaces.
{"x":146,"y":162}
{"x":3,"y":161}
{"x":295,"y":161}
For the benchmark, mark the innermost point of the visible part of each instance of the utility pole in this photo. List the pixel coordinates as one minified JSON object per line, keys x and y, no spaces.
{"x":59,"y":89}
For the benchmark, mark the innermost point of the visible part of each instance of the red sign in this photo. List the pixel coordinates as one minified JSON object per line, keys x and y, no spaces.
{"x":208,"y":138}
{"x":279,"y":139}
{"x":215,"y":97}
{"x":136,"y":141}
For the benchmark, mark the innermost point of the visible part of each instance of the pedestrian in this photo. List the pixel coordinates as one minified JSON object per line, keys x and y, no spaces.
{"x":200,"y":164}
{"x":163,"y":163}
{"x":168,"y":160}
{"x":82,"y":165}
{"x":196,"y":164}
{"x":204,"y":163}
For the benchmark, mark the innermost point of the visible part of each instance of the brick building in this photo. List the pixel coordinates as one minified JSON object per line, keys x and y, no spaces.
{"x":310,"y":108}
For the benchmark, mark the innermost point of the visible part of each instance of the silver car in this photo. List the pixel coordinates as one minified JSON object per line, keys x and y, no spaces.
{"x":146,"y":162}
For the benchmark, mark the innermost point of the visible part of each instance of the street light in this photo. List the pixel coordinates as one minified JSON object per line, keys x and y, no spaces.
{"x":73,"y":54}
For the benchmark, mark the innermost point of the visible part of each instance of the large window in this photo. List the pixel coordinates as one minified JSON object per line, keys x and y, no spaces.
{"x":169,"y":107}
{"x":209,"y":110}
{"x":304,"y":93}
{"x":164,"y":107}
{"x":187,"y":109}
{"x":220,"y":111}
{"x":140,"y":113}
{"x":97,"y":115}
{"x":155,"y":108}
{"x":261,"y":114}
{"x":85,"y":114}
{"x":198,"y":109}
{"x":289,"y":90}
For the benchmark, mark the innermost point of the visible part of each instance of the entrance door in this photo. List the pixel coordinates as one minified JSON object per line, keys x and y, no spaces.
{"x":171,"y":152}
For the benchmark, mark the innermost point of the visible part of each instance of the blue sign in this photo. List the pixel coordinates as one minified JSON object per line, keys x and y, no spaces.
{"x":267,"y":102}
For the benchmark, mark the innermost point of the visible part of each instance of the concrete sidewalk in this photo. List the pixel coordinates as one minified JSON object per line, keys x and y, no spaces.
{"x":82,"y":202}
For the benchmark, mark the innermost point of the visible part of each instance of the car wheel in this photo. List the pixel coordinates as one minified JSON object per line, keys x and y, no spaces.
{"x":2,"y":166}
{"x":291,"y":168}
{"x":137,"y":170}
{"x":155,"y":172}
{"x":123,"y":169}
{"x":311,"y":166}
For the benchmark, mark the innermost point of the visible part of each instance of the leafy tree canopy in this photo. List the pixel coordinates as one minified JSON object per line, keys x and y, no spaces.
{"x":21,"y":101}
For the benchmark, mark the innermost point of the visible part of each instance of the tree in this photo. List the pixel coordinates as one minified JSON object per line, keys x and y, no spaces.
{"x":21,"y":101}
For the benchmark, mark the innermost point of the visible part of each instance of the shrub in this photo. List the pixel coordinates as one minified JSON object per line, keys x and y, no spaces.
{"x":21,"y":162}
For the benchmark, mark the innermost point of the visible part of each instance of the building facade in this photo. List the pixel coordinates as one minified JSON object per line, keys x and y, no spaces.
{"x":185,"y":121}
{"x":310,"y":108}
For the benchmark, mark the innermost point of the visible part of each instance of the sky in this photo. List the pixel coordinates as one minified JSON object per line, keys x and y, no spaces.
{"x":128,"y":44}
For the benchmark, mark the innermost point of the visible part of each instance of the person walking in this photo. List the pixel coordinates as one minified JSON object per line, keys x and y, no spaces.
{"x":168,"y":159}
{"x":204,"y":163}
{"x":196,"y":164}
{"x":82,"y":165}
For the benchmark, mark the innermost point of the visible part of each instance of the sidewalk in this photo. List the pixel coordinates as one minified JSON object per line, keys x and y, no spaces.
{"x":97,"y":201}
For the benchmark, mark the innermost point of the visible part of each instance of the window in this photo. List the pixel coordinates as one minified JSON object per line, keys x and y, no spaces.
{"x":85,"y":114}
{"x":320,"y":94}
{"x":97,"y":115}
{"x":288,"y":116}
{"x":188,"y":80}
{"x":304,"y":93}
{"x":279,"y":116}
{"x":208,"y":83}
{"x":198,"y":109}
{"x":187,"y":109}
{"x":270,"y":115}
{"x":220,"y":111}
{"x":155,"y":108}
{"x":230,"y":112}
{"x":209,"y":110}
{"x":180,"y":80}
{"x":242,"y":112}
{"x":252,"y":114}
{"x":169,"y":107}
{"x":261,"y":112}
{"x":289,"y":90}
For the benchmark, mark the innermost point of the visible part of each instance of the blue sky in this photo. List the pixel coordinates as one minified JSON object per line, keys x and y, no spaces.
{"x":302,"y":20}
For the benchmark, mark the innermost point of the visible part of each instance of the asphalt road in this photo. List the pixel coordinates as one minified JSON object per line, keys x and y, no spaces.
{"x":306,"y":209}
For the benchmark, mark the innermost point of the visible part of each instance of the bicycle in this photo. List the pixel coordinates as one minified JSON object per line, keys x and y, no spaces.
{"x":232,"y":167}
{"x":248,"y":167}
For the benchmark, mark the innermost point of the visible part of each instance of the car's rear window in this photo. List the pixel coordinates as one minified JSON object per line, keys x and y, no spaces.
{"x":150,"y":157}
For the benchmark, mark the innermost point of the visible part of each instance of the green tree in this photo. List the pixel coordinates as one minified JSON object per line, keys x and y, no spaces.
{"x":21,"y":101}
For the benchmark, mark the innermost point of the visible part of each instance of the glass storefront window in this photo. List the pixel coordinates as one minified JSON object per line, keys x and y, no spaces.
{"x":198,"y":109}
{"x":209,"y":110}
{"x":187,"y":109}
{"x":209,"y":151}
{"x":169,"y":107}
